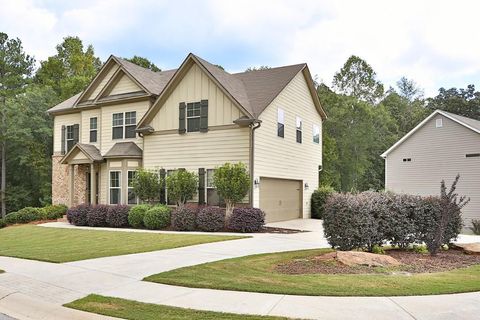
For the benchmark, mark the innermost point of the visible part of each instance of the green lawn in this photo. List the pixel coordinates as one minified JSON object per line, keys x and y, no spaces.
{"x":128,"y":309}
{"x":63,"y":245}
{"x":256,"y":273}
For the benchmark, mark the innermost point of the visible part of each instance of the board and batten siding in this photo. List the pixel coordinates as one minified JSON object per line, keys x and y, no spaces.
{"x":437,"y":154}
{"x":124,"y":85}
{"x":284,"y":158}
{"x":103,"y":82}
{"x":64,"y":120}
{"x":196,"y":86}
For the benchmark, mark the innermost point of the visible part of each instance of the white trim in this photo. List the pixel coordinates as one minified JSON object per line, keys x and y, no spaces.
{"x":421,"y":124}
{"x":126,"y":196}
{"x":110,"y":186}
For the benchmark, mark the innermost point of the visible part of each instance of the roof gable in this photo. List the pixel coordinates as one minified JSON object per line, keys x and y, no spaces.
{"x":85,"y":153}
{"x":120,"y":83}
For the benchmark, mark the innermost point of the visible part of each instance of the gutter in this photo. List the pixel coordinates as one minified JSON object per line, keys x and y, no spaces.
{"x":254,"y":126}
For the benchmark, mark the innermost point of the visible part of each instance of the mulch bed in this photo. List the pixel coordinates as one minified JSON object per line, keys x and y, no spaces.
{"x":412,"y":262}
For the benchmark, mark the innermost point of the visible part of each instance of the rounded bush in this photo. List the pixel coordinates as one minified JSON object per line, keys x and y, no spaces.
{"x":211,"y":219}
{"x":117,"y":216}
{"x":54,"y":211}
{"x":246,"y":220}
{"x":183,"y":218}
{"x":157,"y":217}
{"x":136,"y":214}
{"x":319,"y":198}
{"x":78,"y":214}
{"x":97,"y":216}
{"x":11,"y":218}
{"x":28,"y":214}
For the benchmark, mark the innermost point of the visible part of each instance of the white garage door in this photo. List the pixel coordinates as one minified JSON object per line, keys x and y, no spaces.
{"x":281,"y":199}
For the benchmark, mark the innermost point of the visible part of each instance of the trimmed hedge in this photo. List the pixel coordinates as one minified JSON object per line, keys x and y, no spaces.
{"x":54,"y":211}
{"x":246,"y":220}
{"x":319,"y":198}
{"x":97,"y":215}
{"x":211,"y":219}
{"x":136,"y":214}
{"x":11,"y":218}
{"x":183,"y":218}
{"x":117,"y":216}
{"x":157,"y":217}
{"x":25,"y":215}
{"x":78,"y":214}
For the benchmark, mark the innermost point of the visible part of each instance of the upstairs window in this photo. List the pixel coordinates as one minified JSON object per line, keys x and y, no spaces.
{"x":130,"y":124}
{"x":316,"y":134}
{"x":123,"y":125}
{"x":299,"y":129}
{"x":193,"y":117}
{"x":93,"y":129}
{"x":69,"y":137}
{"x":280,"y":123}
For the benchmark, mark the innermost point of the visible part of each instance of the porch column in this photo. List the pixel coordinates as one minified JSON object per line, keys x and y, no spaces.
{"x":93,"y":185}
{"x":71,"y":168}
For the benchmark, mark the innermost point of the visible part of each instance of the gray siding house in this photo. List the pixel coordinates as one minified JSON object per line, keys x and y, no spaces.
{"x":440,"y":147}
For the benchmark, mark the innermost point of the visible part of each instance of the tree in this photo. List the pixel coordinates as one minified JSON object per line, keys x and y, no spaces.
{"x":71,"y":69}
{"x":147,"y":185}
{"x":232,"y":182}
{"x":257,"y":68}
{"x":409,"y":89}
{"x":181,"y":186}
{"x":464,"y":102}
{"x":145,"y":63}
{"x":15,"y":70}
{"x":358,"y":79}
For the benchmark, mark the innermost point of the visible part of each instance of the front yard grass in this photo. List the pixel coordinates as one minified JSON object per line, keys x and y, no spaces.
{"x":128,"y":309}
{"x":64,"y":245}
{"x":256,"y":274}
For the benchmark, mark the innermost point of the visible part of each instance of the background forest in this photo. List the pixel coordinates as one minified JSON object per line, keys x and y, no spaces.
{"x":364,"y":118}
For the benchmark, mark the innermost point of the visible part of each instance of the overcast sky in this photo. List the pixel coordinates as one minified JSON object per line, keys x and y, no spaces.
{"x":435,"y":43}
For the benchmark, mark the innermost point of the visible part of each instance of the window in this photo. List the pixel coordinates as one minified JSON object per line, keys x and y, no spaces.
{"x":132,"y":198}
{"x":280,"y":123}
{"x":193,"y":117}
{"x":299,"y":129}
{"x":316,"y":133}
{"x":407,"y":159}
{"x":93,"y":129}
{"x":115,"y":187}
{"x":125,"y":129}
{"x":69,"y":139}
{"x":439,"y":123}
{"x":472,"y":155}
{"x":213,"y":199}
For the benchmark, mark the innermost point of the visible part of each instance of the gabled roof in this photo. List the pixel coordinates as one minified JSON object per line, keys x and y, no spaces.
{"x":469,"y":123}
{"x":124,"y":150}
{"x":90,"y":151}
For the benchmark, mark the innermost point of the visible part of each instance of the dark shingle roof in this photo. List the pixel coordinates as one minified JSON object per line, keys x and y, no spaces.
{"x":124,"y":149}
{"x":91,"y":151}
{"x":65,"y":105}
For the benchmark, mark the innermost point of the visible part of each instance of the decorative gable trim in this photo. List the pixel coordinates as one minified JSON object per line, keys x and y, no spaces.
{"x":114,"y":80}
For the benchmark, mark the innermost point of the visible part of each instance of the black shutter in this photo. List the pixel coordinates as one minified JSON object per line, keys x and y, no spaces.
{"x":76,"y":133}
{"x":204,"y":116}
{"x":162,"y":189}
{"x":201,"y":186}
{"x":181,"y":118}
{"x":64,"y":132}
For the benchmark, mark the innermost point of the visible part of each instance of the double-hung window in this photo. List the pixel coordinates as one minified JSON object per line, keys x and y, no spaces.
{"x":115,"y":187}
{"x":299,"y":129}
{"x":69,"y":138}
{"x":132,"y":198}
{"x":193,"y":117}
{"x":280,"y":123}
{"x":123,"y":125}
{"x":316,"y":134}
{"x":93,"y":129}
{"x":213,"y":199}
{"x":130,"y":124}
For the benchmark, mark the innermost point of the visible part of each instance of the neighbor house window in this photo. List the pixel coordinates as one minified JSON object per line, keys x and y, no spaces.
{"x":115,"y":187}
{"x":193,"y":117}
{"x":316,"y":133}
{"x":93,"y":129}
{"x":280,"y":123}
{"x":121,"y":128}
{"x":213,"y":199}
{"x":299,"y":129}
{"x":132,"y":198}
{"x":439,"y":123}
{"x":69,"y":138}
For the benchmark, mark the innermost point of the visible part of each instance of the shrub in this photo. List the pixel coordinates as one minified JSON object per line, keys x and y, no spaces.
{"x":3,"y":224}
{"x":246,"y":220}
{"x":147,"y":185}
{"x":378,"y":249}
{"x":157,"y":217}
{"x":183,"y":218}
{"x":211,"y":219}
{"x":78,"y":215}
{"x":28,"y":214}
{"x":401,"y":228}
{"x":475,"y":226}
{"x":117,"y":216}
{"x":181,"y":186}
{"x":319,"y":197}
{"x":232,"y":182}
{"x":11,"y":218}
{"x":136,"y":214}
{"x":54,"y":211}
{"x":422,"y":249}
{"x":97,"y":215}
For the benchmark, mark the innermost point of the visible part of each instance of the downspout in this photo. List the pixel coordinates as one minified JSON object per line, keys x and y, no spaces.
{"x":254,"y":126}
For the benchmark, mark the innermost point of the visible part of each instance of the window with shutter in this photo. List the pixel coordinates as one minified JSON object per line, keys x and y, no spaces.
{"x":93,"y":129}
{"x":64,"y":132}
{"x":181,"y":117}
{"x":69,"y":138}
{"x":193,"y":117}
{"x":204,"y":116}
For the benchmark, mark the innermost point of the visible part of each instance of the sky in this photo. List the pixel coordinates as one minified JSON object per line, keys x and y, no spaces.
{"x":434,"y":43}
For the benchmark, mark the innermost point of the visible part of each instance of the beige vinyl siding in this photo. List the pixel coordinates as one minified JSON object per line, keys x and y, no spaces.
{"x":125,"y":85}
{"x":85,"y":133}
{"x":103,"y":82}
{"x":196,"y":86}
{"x":436,"y":154}
{"x":284,"y":158}
{"x":63,"y":120}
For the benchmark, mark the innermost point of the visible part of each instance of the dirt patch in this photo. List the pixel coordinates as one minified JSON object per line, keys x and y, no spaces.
{"x":411,"y":262}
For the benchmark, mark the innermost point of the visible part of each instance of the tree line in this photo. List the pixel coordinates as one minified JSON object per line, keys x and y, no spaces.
{"x":364,"y":119}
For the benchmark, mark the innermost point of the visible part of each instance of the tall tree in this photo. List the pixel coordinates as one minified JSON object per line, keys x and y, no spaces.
{"x":15,"y":70}
{"x":409,"y":89}
{"x":464,"y":102}
{"x":257,"y":68}
{"x":144,"y":62}
{"x":358,"y":79}
{"x":71,"y":69}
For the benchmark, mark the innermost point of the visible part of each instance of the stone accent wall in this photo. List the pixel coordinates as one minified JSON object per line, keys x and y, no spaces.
{"x":61,"y":182}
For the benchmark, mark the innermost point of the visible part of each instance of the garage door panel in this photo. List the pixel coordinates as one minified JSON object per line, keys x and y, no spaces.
{"x":280,"y":199}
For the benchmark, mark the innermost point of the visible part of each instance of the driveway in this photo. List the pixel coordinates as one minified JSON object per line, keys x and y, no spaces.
{"x":120,"y":276}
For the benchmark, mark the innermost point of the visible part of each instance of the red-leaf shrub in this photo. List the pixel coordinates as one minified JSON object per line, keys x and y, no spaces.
{"x":117,"y":216}
{"x":246,"y":220}
{"x":97,"y":216}
{"x":211,"y":219}
{"x":183,"y":218}
{"x":78,"y":215}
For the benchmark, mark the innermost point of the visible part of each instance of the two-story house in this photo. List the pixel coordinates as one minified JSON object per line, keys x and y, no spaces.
{"x":196,"y":117}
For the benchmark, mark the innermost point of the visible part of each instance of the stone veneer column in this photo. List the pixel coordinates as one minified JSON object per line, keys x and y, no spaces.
{"x":61,"y":179}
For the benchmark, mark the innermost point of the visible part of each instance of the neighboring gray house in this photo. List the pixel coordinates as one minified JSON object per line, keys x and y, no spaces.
{"x":440,"y":147}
